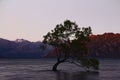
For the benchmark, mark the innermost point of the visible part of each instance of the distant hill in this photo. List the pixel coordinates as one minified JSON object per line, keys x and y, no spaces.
{"x":106,"y":45}
{"x":22,"y":49}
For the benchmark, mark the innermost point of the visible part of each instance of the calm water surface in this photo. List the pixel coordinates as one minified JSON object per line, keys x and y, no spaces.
{"x":40,"y":69}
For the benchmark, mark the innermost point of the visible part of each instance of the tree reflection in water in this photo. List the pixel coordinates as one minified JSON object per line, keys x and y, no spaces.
{"x":77,"y":75}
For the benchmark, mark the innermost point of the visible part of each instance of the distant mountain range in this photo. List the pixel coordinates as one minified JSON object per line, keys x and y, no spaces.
{"x":106,"y":45}
{"x":22,"y":49}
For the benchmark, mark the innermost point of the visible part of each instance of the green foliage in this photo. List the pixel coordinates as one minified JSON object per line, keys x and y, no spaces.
{"x":61,"y":33}
{"x":72,"y":41}
{"x":90,"y":63}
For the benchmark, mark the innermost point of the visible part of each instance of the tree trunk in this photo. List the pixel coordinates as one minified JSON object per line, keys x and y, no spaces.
{"x":56,"y":64}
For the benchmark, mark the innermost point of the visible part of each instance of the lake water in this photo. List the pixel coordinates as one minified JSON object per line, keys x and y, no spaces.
{"x":40,"y":69}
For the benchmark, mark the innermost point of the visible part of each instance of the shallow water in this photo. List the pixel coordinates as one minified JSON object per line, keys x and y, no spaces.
{"x":40,"y":69}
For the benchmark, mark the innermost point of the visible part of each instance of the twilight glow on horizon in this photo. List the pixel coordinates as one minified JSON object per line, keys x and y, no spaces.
{"x":31,"y":19}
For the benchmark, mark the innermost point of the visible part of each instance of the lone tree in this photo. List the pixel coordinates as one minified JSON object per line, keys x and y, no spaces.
{"x":70,"y":44}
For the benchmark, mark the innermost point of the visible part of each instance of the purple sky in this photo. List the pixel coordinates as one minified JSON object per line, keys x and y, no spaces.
{"x":31,"y":19}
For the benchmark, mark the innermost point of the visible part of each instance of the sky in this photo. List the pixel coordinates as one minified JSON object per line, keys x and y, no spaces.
{"x":31,"y":19}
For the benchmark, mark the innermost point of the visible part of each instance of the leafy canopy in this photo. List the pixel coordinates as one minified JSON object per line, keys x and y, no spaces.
{"x":69,"y":36}
{"x":72,"y":41}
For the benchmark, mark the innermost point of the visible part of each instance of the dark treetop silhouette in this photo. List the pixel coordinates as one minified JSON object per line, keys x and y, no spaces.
{"x":70,"y":44}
